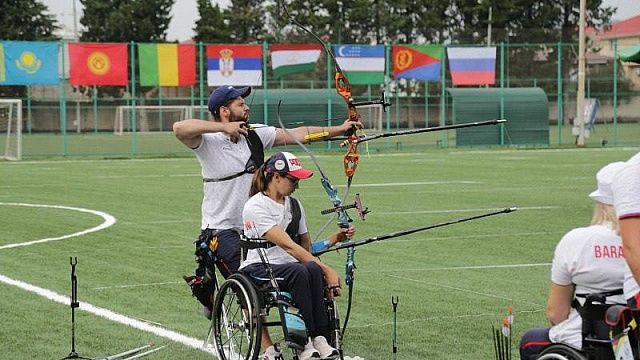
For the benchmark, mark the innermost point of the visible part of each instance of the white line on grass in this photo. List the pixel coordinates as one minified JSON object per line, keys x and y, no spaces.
{"x":460,"y":210}
{"x":108,"y":314}
{"x":135,"y":285}
{"x":450,"y":182}
{"x":476,"y":267}
{"x":446,"y":317}
{"x":501,"y":235}
{"x":459,"y":289}
{"x":108,"y":221}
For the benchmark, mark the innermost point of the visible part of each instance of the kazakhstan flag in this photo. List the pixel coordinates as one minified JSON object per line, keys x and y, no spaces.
{"x":29,"y":63}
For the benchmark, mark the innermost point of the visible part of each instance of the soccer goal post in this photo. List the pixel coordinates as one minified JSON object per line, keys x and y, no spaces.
{"x":148,"y":118}
{"x":11,"y":128}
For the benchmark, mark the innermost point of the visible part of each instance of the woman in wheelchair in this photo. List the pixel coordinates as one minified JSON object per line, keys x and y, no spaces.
{"x":272,"y":214}
{"x":587,"y":260}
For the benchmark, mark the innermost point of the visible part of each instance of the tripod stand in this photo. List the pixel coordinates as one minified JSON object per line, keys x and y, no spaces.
{"x":127,"y":355}
{"x":74,"y":304}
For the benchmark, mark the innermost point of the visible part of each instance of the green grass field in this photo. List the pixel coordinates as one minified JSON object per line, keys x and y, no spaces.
{"x":453,"y":283}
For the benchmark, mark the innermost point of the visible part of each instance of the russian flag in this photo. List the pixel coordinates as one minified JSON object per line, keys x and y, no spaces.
{"x":236,"y":65}
{"x":472,"y":65}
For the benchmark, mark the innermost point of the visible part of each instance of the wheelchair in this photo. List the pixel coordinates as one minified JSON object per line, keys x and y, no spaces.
{"x":243,"y":307}
{"x":599,"y":322}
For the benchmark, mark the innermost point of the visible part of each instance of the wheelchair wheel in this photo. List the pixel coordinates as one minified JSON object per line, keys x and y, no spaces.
{"x":236,"y":323}
{"x":561,"y":352}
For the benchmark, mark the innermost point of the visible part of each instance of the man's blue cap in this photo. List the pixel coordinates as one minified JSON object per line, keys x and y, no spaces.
{"x":223,"y":95}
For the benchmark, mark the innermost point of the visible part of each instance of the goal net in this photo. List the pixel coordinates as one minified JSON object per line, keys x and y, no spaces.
{"x":148,"y":118}
{"x":10,"y":129}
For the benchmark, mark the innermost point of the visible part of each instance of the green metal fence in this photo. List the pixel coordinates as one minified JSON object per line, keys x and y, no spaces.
{"x":134,"y":121}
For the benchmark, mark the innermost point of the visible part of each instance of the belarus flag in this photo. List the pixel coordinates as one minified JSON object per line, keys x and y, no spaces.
{"x":235,"y":65}
{"x":98,"y":64}
{"x":472,"y":65}
{"x":294,"y":58}
{"x":363,"y":64}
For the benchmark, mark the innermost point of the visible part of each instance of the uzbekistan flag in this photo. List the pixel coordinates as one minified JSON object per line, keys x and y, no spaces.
{"x":420,"y":62}
{"x":472,"y":65}
{"x":167,"y":64}
{"x":236,"y":65}
{"x":294,"y":58}
{"x":363,"y":64}
{"x":28,"y":63}
{"x":98,"y":64}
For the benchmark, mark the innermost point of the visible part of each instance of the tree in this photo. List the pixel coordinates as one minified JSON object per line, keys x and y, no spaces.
{"x":247,"y":21}
{"x":125,"y":20}
{"x":26,"y":20}
{"x":211,"y":27}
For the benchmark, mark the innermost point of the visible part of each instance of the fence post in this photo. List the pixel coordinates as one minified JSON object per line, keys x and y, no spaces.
{"x":201,"y":79}
{"x":502,"y":91}
{"x":559,"y":103}
{"x":134,"y":124}
{"x":63,"y":105}
{"x":329,"y":78}
{"x":265,"y":97}
{"x":615,"y":92}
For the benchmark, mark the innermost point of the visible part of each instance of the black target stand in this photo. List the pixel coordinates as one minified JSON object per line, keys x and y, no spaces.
{"x":74,"y":304}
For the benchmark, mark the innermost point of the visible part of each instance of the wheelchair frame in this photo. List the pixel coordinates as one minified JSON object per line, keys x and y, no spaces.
{"x":595,"y":344}
{"x":240,"y":309}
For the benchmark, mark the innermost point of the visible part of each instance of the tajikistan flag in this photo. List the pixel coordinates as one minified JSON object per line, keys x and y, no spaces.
{"x":363,"y":64}
{"x":294,"y":58}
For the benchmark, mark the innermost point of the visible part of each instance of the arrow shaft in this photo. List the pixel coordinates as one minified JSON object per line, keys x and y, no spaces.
{"x":412,"y":231}
{"x":418,"y":131}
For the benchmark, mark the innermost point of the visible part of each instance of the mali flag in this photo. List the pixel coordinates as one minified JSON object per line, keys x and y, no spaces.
{"x":98,"y":64}
{"x":420,"y":62}
{"x":167,"y":64}
{"x":28,"y":63}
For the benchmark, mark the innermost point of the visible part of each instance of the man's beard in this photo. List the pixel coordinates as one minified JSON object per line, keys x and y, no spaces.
{"x":234,"y":118}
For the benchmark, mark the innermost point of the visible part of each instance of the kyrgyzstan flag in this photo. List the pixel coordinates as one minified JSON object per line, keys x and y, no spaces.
{"x":98,"y":64}
{"x":167,"y":64}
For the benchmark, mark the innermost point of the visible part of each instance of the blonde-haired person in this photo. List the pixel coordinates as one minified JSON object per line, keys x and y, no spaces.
{"x":272,"y":214}
{"x":586,"y":260}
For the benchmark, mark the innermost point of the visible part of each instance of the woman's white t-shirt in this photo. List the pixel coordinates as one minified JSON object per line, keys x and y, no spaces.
{"x":260,"y":214}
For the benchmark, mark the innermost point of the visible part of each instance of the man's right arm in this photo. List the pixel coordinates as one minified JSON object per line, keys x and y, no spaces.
{"x":190,"y":131}
{"x":630,"y":233}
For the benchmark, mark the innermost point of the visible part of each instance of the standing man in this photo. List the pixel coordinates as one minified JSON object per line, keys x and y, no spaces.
{"x":229,"y":151}
{"x":626,"y":196}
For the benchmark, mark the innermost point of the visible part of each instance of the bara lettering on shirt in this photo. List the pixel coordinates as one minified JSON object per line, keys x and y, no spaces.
{"x":607,"y":251}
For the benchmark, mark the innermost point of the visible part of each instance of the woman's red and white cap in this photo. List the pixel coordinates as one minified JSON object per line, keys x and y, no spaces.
{"x":287,"y":163}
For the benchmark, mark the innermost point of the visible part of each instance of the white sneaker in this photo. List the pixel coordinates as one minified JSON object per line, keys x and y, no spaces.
{"x":326,"y":351}
{"x":271,"y":354}
{"x":309,"y":352}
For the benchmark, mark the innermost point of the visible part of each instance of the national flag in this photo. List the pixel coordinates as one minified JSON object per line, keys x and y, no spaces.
{"x":472,"y":65}
{"x":167,"y":64}
{"x":98,"y":64}
{"x":236,"y":65}
{"x":363,"y":64}
{"x":28,"y":63}
{"x":420,"y":62}
{"x":294,"y":58}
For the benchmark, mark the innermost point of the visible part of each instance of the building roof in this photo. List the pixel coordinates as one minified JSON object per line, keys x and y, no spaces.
{"x":620,"y":29}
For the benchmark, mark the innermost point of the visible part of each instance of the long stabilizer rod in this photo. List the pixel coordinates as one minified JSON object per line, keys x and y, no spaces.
{"x":418,"y":131}
{"x":346,"y":245}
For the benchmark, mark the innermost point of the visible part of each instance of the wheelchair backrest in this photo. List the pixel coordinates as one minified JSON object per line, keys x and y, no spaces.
{"x":596,"y":342}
